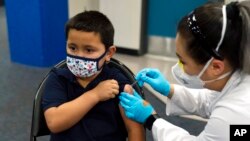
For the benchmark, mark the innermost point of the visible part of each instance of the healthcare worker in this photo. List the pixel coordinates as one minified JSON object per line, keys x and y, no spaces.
{"x":213,"y":47}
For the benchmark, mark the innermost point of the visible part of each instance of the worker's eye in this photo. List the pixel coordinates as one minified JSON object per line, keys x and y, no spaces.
{"x":182,"y":62}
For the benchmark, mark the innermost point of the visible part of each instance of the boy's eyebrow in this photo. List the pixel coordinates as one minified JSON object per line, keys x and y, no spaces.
{"x":71,"y":43}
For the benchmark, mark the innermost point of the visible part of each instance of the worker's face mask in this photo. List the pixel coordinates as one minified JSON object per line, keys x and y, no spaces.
{"x":83,"y":67}
{"x":193,"y":81}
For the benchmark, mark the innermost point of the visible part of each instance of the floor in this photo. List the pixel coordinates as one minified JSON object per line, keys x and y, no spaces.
{"x":18,"y":84}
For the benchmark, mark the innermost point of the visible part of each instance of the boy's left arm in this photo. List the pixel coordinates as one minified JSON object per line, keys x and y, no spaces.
{"x":136,"y":131}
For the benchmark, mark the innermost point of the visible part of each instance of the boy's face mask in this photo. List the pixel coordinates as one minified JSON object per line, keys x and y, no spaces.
{"x":84,"y":67}
{"x":193,"y":81}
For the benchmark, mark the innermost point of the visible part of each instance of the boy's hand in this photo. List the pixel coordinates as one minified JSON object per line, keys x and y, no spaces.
{"x":106,"y":89}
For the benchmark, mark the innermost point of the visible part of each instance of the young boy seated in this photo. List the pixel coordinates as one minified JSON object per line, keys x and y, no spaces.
{"x":80,"y":102}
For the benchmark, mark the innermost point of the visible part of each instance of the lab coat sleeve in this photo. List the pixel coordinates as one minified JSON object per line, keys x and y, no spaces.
{"x":190,"y":101}
{"x":216,"y":130}
{"x":162,"y":130}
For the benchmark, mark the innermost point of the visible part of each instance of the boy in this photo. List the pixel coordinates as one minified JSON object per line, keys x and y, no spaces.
{"x":80,"y":102}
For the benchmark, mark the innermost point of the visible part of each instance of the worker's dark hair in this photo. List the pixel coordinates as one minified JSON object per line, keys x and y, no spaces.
{"x":93,"y":21}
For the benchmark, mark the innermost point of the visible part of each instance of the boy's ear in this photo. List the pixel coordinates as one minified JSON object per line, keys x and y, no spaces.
{"x":111,"y":51}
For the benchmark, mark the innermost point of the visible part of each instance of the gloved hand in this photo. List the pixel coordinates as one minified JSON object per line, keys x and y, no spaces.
{"x":155,"y":79}
{"x":135,"y":107}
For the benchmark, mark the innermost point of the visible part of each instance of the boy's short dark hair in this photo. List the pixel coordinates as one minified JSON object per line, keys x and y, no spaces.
{"x":93,"y":21}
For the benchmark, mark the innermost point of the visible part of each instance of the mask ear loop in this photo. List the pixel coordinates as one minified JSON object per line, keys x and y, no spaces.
{"x":99,"y":58}
{"x":223,"y":31}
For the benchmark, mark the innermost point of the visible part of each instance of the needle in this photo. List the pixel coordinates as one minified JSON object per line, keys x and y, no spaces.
{"x":133,"y":83}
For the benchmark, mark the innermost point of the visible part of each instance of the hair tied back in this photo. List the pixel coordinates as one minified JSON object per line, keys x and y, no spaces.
{"x":233,"y":11}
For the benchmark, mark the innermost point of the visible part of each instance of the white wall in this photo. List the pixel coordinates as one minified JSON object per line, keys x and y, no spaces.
{"x":124,"y":14}
{"x":126,"y":18}
{"x":228,"y":1}
{"x":77,"y":6}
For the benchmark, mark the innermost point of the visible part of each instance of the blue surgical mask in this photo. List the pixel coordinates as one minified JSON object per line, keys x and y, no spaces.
{"x":84,"y":67}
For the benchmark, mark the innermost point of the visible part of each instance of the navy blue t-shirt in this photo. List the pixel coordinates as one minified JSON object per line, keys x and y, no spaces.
{"x":102,"y":123}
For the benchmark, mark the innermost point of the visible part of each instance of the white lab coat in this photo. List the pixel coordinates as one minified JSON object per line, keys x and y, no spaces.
{"x":230,"y":106}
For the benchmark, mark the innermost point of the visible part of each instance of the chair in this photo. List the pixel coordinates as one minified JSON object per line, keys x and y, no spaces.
{"x":38,"y":123}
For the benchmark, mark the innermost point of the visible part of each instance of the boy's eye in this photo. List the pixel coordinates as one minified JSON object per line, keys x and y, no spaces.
{"x":72,"y":48}
{"x":89,"y":50}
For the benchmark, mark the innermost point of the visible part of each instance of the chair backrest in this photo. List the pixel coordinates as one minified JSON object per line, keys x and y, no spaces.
{"x":38,"y":123}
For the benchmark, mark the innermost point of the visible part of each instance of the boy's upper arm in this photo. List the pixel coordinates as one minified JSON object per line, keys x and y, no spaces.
{"x":55,"y":92}
{"x":122,"y":80}
{"x":135,"y":130}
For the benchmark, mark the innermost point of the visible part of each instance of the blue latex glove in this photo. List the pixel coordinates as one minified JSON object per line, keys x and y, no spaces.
{"x":155,"y":79}
{"x":134,"y":107}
